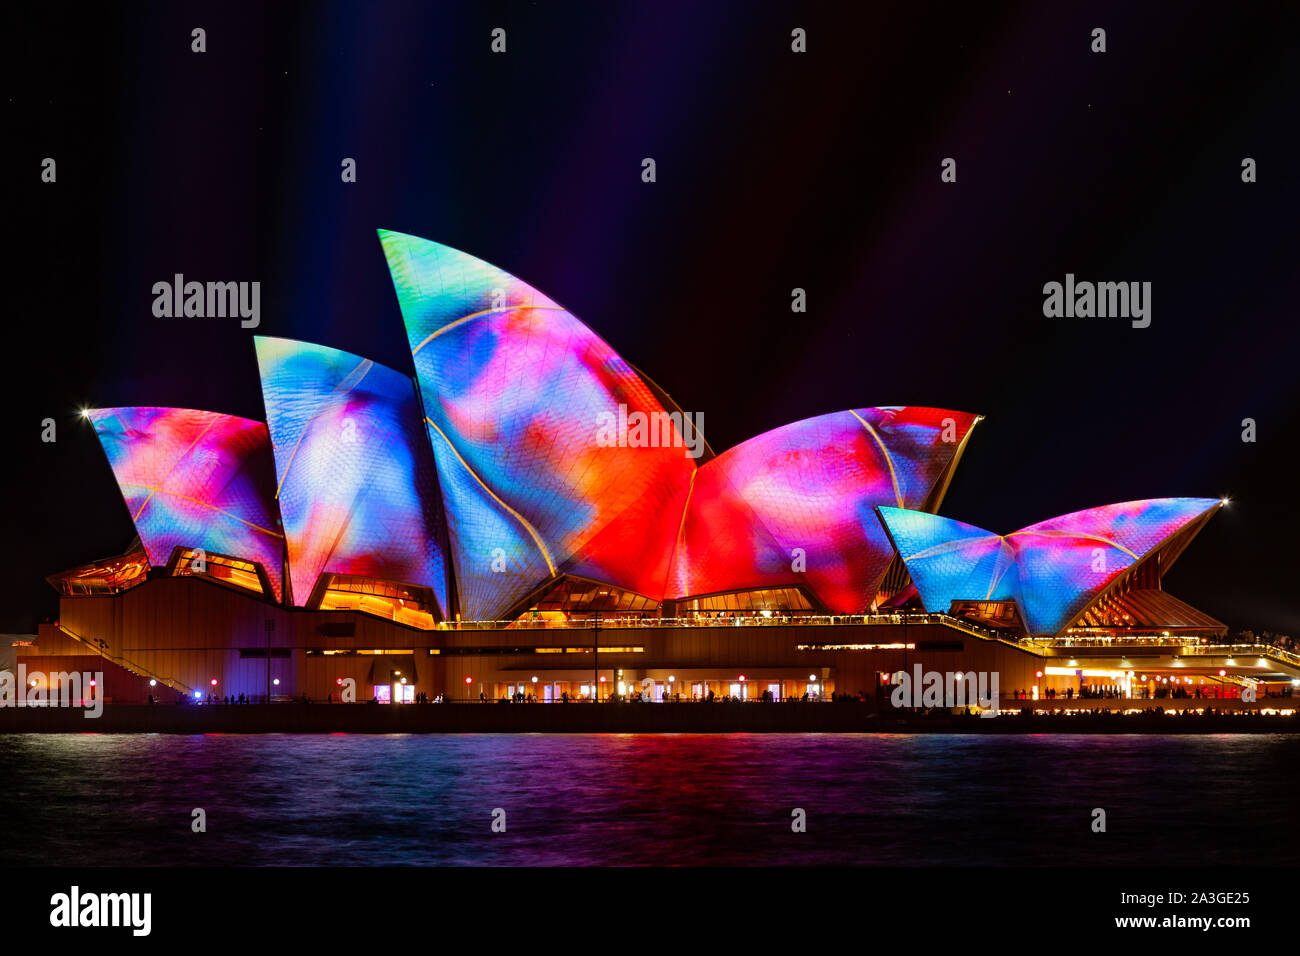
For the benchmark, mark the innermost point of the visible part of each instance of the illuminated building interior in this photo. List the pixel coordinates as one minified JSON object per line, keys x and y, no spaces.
{"x":219,"y":567}
{"x":572,"y":597}
{"x":761,"y":601}
{"x":109,"y":576}
{"x":410,"y":605}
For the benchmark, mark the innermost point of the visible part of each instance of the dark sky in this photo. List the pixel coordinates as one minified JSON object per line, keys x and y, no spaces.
{"x":775,"y":170}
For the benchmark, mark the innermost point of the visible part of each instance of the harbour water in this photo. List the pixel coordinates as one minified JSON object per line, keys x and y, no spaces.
{"x":708,"y":799}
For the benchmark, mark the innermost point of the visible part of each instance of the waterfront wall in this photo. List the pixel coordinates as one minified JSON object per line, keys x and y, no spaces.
{"x":609,"y":718}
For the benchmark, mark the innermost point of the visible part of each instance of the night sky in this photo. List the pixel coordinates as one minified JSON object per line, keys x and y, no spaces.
{"x":775,"y":170}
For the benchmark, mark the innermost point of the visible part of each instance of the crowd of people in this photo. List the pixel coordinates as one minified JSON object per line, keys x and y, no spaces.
{"x":1281,"y":641}
{"x":1179,"y":692}
{"x":637,"y":697}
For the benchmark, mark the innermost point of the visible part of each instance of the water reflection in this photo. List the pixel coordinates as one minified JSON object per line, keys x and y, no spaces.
{"x":646,"y":799}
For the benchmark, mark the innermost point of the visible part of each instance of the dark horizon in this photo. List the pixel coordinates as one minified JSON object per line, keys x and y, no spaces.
{"x":775,"y":170}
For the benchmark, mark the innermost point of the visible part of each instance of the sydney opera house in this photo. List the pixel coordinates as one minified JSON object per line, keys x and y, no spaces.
{"x":532,"y":515}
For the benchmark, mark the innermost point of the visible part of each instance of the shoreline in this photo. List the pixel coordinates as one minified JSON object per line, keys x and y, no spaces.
{"x":676,"y":718}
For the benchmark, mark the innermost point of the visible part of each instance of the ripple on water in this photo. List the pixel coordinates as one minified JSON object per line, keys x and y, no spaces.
{"x":682,"y":799}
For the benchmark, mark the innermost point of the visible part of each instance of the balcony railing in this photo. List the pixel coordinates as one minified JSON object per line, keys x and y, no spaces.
{"x":122,"y":662}
{"x":727,"y":620}
{"x":1242,"y":650}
